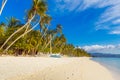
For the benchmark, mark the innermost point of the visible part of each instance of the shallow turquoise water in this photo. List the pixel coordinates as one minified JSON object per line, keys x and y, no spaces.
{"x":113,"y":65}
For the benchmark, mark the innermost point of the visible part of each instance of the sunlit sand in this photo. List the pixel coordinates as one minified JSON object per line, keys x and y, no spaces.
{"x":37,"y":68}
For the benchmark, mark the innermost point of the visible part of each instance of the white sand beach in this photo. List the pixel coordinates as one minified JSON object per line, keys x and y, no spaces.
{"x":39,"y":68}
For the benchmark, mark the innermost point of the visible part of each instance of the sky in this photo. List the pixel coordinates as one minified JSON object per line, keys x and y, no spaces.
{"x":93,"y":25}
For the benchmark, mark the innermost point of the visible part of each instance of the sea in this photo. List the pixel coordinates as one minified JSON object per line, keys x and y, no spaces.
{"x":112,"y":64}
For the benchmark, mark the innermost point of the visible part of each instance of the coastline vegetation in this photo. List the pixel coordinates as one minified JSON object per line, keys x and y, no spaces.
{"x":17,"y":38}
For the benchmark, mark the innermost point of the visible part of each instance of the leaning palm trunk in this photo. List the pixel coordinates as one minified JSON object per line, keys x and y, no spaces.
{"x":42,"y":37}
{"x":27,"y":28}
{"x":20,"y":37}
{"x":44,"y":33}
{"x":48,"y":44}
{"x":3,"y":5}
{"x":61,"y":47}
{"x":16,"y":32}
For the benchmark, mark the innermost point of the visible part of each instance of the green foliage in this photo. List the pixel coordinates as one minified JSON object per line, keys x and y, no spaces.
{"x":10,"y":52}
{"x":32,"y":43}
{"x":80,"y":52}
{"x":12,"y":22}
{"x":42,"y":40}
{"x":1,"y":52}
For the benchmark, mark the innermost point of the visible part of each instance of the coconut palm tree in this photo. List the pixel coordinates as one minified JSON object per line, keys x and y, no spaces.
{"x":44,"y":24}
{"x":16,"y":32}
{"x":39,"y":8}
{"x":3,"y":5}
{"x":2,"y":29}
{"x":63,"y":42}
{"x":59,"y":43}
{"x":21,"y":37}
{"x":2,"y":32}
{"x":52,"y":34}
{"x":45,"y":21}
{"x":13,"y":22}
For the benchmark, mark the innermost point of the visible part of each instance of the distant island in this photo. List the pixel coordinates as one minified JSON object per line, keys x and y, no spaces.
{"x":109,"y":55}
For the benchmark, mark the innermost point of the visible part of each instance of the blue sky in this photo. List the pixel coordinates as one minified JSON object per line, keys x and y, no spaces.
{"x":94,"y":25}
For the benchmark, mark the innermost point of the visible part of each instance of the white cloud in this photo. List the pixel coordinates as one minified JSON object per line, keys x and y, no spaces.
{"x":116,"y":21}
{"x":98,"y":27}
{"x":115,"y":32}
{"x":102,"y":48}
{"x":79,"y":5}
{"x":86,"y":4}
{"x":110,"y":17}
{"x":67,"y":5}
{"x":110,"y":14}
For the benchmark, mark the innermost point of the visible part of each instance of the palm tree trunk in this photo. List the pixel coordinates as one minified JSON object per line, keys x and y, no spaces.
{"x":45,"y":43}
{"x":61,"y":47}
{"x":42,"y":37}
{"x":50,"y":44}
{"x":3,"y":5}
{"x":27,"y":28}
{"x":44,"y":33}
{"x":16,"y":32}
{"x":20,"y":37}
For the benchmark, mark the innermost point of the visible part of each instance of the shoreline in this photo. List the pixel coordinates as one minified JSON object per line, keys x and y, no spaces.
{"x":111,"y":67}
{"x":40,"y":68}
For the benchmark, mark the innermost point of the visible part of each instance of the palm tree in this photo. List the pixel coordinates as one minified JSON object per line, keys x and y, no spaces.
{"x":52,"y":34}
{"x":2,"y":29}
{"x":2,"y":32}
{"x":45,"y":21}
{"x":39,"y":7}
{"x":44,"y":24}
{"x":21,"y":37}
{"x":3,"y":5}
{"x":57,"y":31}
{"x":16,"y":32}
{"x":59,"y":43}
{"x":59,"y":28}
{"x":13,"y":22}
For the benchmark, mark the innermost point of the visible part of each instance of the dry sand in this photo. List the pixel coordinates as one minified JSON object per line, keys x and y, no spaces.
{"x":37,"y":68}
